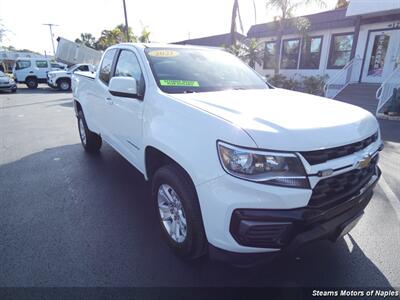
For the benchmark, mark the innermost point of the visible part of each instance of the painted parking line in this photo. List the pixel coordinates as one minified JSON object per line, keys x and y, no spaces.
{"x":390,"y":195}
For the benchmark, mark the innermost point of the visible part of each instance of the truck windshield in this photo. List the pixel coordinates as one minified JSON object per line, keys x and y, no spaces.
{"x":180,"y":70}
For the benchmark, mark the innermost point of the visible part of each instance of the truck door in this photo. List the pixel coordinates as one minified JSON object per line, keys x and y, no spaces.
{"x":42,"y":68}
{"x":99,"y":99}
{"x":127,"y":112}
{"x":22,"y":69}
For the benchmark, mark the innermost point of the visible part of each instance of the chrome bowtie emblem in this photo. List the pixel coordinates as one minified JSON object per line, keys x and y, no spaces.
{"x":364,"y":162}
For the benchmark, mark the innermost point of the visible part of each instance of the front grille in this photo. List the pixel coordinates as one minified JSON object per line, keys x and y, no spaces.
{"x":321,"y":156}
{"x":337,"y":189}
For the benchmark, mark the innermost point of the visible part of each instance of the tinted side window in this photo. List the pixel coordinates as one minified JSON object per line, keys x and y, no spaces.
{"x":106,"y":65}
{"x":128,"y":66}
{"x":41,"y":64}
{"x":83,"y":68}
{"x":22,"y":64}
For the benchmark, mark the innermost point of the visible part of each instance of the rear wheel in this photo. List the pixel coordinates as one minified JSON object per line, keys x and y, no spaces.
{"x":64,"y":85}
{"x":31,"y":82}
{"x":179,"y":212}
{"x":91,"y":141}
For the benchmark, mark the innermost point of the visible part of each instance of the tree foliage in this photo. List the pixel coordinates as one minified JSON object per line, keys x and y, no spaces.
{"x":342,"y":4}
{"x":112,"y":37}
{"x":87,"y":39}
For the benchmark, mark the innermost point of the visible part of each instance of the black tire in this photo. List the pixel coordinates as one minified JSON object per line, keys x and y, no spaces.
{"x":31,"y":83}
{"x":14,"y":90}
{"x":92,"y":141}
{"x":64,"y":85}
{"x":195,"y":243}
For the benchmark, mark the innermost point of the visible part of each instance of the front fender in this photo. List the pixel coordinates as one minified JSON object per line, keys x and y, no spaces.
{"x":188,"y":135}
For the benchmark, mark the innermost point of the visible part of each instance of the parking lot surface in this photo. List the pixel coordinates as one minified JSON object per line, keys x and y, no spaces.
{"x":72,"y":219}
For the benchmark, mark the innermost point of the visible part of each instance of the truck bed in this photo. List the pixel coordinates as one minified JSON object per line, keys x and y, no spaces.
{"x":90,"y":75}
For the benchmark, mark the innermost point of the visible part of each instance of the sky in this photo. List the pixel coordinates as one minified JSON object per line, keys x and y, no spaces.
{"x":167,"y":20}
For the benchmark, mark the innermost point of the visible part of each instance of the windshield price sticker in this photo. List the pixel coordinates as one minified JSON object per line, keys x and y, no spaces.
{"x":163,"y":53}
{"x":179,"y":83}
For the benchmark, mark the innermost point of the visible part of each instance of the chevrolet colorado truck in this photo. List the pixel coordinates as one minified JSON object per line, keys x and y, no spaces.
{"x":239,"y":169}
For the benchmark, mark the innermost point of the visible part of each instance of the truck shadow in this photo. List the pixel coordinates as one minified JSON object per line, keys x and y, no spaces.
{"x":69,"y":219}
{"x":42,"y":89}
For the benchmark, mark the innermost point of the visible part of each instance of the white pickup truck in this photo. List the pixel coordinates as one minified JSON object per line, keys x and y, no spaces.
{"x":61,"y":80}
{"x":238,"y":168}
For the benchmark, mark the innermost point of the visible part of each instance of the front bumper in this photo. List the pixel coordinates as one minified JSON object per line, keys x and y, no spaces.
{"x":51,"y":83}
{"x":12,"y":86}
{"x":290,"y":229}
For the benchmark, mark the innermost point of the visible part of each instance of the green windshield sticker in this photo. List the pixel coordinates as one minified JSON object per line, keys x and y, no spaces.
{"x":179,"y":83}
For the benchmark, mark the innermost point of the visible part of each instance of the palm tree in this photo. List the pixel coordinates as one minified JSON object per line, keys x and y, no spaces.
{"x":145,"y":35}
{"x":252,"y":52}
{"x":87,"y":39}
{"x":235,"y":15}
{"x":286,"y":10}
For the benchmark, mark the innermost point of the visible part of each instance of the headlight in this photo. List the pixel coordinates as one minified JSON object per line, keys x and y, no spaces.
{"x":52,"y":75}
{"x":275,"y":168}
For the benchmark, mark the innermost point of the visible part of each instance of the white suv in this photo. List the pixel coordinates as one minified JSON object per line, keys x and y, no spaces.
{"x":32,"y":71}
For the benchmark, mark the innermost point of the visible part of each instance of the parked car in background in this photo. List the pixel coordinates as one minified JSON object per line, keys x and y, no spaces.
{"x":62,"y":79}
{"x":33,"y":71}
{"x":237,"y":168}
{"x":7,"y":83}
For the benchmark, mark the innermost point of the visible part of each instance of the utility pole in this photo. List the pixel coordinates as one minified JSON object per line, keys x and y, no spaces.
{"x":255,"y":12}
{"x":126,"y":22}
{"x":51,"y":35}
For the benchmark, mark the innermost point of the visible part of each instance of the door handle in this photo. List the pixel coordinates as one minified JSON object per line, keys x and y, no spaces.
{"x":109,"y":101}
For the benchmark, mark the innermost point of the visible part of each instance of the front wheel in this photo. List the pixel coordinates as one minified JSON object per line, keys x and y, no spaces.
{"x":31,"y":83}
{"x":64,"y":85}
{"x":91,"y":141}
{"x":179,"y":212}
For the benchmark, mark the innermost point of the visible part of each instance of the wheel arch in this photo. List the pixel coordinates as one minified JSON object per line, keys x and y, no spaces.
{"x":63,"y":78}
{"x":31,"y":76}
{"x":77,"y":107}
{"x":155,"y":158}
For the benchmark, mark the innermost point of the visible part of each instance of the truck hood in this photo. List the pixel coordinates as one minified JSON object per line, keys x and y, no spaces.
{"x":279,"y":119}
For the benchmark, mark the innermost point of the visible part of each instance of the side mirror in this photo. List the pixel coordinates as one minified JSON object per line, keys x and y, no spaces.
{"x":123,"y":87}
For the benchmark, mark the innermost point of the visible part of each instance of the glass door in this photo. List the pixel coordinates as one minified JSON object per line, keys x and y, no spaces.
{"x":381,"y":56}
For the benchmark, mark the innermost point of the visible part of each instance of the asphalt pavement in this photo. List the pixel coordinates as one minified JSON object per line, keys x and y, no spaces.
{"x":72,"y":219}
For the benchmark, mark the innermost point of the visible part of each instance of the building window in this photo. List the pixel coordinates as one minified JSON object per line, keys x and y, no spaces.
{"x":340,"y":53}
{"x":269,"y":55}
{"x":290,"y":54}
{"x":311,"y":53}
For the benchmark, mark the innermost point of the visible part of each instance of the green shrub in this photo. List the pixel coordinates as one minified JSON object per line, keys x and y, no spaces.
{"x":281,"y":81}
{"x":306,"y":84}
{"x":314,"y":84}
